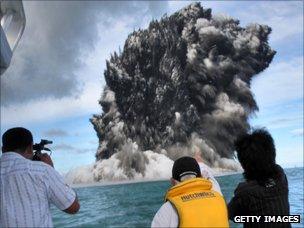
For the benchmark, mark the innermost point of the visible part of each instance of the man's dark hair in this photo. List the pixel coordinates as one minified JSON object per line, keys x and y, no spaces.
{"x":256,"y":153}
{"x":16,"y":139}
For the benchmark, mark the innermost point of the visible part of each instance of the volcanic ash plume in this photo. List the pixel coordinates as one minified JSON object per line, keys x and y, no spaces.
{"x":180,"y":86}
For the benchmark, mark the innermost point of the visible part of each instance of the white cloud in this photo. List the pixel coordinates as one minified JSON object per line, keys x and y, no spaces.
{"x":50,"y":109}
{"x":282,"y":82}
{"x":297,"y":132}
{"x":290,"y":156}
{"x":177,"y":5}
{"x":284,"y":17}
{"x":279,"y":121}
{"x":56,"y":132}
{"x":58,"y":36}
{"x":64,"y":147}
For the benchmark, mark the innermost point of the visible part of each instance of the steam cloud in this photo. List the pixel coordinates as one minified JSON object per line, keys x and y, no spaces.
{"x":181,"y":85}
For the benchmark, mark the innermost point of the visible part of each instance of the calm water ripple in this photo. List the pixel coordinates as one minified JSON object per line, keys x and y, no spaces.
{"x":134,"y":205}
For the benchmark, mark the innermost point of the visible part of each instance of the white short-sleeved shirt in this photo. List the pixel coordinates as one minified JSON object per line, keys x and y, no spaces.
{"x":27,"y":188}
{"x":167,"y":216}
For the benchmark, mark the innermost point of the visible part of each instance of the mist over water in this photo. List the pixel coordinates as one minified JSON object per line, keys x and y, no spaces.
{"x":179,"y":87}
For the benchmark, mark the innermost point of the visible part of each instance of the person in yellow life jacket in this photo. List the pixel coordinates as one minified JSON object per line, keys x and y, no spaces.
{"x":193,"y":200}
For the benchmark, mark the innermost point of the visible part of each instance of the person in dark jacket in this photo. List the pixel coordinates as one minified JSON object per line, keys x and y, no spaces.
{"x":265,"y":190}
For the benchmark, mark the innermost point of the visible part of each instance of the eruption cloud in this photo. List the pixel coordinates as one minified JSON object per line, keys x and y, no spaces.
{"x":180,"y":86}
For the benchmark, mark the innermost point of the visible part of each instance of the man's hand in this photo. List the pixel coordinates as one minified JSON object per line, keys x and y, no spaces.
{"x":74,"y":208}
{"x":46,"y":159}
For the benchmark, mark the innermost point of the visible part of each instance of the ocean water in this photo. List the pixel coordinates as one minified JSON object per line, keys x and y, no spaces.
{"x":134,"y":204}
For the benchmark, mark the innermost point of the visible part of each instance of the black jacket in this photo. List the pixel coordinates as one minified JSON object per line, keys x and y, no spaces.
{"x":270,"y":198}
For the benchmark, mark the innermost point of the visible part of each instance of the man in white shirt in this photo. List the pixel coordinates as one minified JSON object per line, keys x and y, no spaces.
{"x":27,"y":188}
{"x":167,"y":215}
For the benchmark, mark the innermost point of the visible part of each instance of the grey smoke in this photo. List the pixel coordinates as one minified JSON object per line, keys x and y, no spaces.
{"x":181,"y":86}
{"x":57,"y":38}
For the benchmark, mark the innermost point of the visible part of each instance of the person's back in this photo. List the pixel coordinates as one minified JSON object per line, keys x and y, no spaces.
{"x":192,"y":201}
{"x":27,"y":190}
{"x":197,"y":205}
{"x":28,"y":183}
{"x":270,"y":198}
{"x":265,"y":191}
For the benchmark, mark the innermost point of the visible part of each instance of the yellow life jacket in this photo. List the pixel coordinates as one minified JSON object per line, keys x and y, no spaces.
{"x":197,"y":205}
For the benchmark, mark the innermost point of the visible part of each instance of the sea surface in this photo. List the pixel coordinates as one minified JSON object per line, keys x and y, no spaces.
{"x":134,"y":204}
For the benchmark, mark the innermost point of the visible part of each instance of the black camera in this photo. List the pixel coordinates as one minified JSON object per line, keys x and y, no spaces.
{"x":38,"y":147}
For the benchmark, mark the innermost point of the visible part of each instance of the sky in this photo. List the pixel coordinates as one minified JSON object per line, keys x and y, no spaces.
{"x":56,"y":75}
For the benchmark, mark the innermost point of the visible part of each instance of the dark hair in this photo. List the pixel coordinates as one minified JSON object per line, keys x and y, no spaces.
{"x":16,"y":139}
{"x":256,"y":153}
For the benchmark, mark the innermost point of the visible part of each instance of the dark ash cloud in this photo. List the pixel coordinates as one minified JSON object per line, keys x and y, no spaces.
{"x":180,"y":86}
